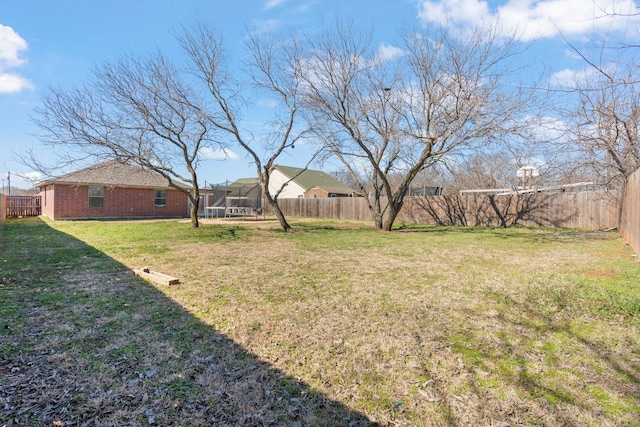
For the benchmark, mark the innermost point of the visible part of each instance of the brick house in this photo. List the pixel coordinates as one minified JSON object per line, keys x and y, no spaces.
{"x":112,"y":189}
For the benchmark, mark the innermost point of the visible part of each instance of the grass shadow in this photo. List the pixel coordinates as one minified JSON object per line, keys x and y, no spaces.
{"x":530,"y":353}
{"x":83,"y":341}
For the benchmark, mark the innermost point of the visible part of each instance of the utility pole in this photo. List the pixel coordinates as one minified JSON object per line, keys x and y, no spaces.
{"x":9,"y":179}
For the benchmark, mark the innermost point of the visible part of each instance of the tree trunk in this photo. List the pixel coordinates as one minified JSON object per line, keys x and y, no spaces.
{"x":377,"y":220}
{"x":283,"y":221}
{"x":384,"y":220}
{"x":620,"y":199}
{"x":193,"y":213}
{"x":273,"y":201}
{"x":392,"y":213}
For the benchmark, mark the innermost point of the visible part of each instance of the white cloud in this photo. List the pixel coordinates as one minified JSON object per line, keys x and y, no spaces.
{"x":534,"y":18}
{"x":268,"y":103}
{"x":576,"y":78}
{"x":273,"y":3}
{"x":12,"y":83}
{"x":566,"y":77}
{"x":32,"y":176}
{"x":11,"y":45}
{"x":20,"y":179}
{"x":387,"y":52}
{"x":218,"y":153}
{"x":458,"y":11}
{"x":549,"y":128}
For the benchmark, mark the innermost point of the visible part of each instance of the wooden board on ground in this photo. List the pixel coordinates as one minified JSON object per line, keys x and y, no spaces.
{"x":156,"y":277}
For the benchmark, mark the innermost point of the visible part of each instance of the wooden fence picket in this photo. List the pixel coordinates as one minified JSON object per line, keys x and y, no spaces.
{"x":21,"y":206}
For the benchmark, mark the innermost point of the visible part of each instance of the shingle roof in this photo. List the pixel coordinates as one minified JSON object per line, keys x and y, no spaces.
{"x":111,"y":173}
{"x":313,"y":178}
{"x":244,"y":182}
{"x":334,"y":189}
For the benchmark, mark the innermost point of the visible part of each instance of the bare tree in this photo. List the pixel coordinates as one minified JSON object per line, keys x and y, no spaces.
{"x":498,"y":167}
{"x":140,"y":110}
{"x":398,"y":115}
{"x":153,"y":114}
{"x":600,"y":107}
{"x":482,"y":171}
{"x":604,"y":124}
{"x":344,"y":176}
{"x":273,"y":66}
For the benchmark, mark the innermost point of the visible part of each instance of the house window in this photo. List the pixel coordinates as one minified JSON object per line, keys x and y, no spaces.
{"x":160,"y":198}
{"x":96,"y":197}
{"x":333,"y":195}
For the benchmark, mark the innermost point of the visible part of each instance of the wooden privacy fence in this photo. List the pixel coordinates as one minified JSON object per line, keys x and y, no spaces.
{"x":23,"y":206}
{"x":630,"y":213}
{"x":346,"y":208}
{"x":597,"y":210}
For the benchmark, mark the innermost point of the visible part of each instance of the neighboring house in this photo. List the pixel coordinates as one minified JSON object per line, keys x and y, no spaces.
{"x":307,"y":183}
{"x":113,"y":189}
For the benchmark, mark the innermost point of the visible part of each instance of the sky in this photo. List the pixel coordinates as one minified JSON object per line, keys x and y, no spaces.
{"x":48,"y":44}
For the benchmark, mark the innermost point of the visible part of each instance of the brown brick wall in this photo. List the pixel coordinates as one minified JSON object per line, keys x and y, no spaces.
{"x":318,"y":192}
{"x":73,"y":202}
{"x":46,"y":201}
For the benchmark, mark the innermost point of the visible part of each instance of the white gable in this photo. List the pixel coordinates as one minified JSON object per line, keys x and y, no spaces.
{"x":291,"y":191}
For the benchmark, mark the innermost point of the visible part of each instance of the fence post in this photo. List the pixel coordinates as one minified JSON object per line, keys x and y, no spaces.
{"x":3,"y":208}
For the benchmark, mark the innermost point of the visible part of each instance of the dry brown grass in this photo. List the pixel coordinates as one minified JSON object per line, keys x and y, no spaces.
{"x":423,"y":327}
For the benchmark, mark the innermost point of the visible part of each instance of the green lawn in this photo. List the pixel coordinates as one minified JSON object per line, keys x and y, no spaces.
{"x":334,"y":324}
